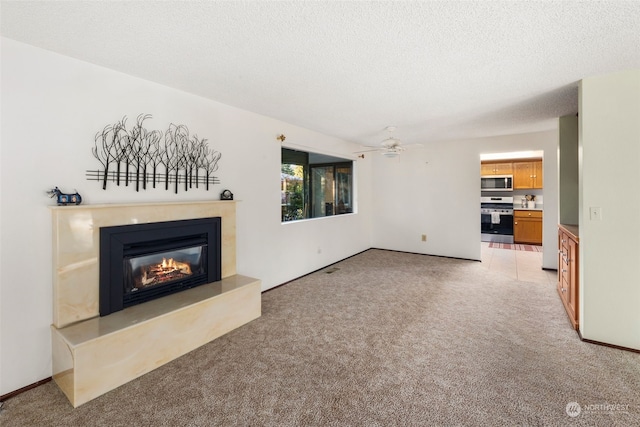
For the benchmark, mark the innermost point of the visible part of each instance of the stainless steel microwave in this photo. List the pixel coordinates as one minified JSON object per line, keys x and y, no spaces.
{"x":496,"y":183}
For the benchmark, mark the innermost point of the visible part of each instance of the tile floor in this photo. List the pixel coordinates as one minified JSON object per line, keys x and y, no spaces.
{"x":520,"y":265}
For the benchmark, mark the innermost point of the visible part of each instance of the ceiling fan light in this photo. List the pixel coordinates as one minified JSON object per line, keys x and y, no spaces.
{"x":390,"y":154}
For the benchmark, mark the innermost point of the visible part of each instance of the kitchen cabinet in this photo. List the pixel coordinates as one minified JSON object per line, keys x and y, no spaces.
{"x":568,"y":267}
{"x":527,"y":227}
{"x":527,"y":175}
{"x":495,"y":168}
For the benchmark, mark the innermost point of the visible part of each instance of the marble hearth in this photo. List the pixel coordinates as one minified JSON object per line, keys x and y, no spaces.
{"x":93,"y":355}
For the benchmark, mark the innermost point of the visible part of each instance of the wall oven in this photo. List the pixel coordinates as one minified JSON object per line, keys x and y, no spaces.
{"x":496,"y":219}
{"x":496,"y":183}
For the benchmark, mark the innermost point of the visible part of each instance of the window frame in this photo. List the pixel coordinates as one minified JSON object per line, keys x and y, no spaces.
{"x":341,"y":162}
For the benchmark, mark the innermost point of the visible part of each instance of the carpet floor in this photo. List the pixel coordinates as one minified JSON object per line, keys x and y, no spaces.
{"x":387,"y":339}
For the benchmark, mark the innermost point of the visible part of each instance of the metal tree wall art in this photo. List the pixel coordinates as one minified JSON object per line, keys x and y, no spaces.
{"x":142,"y":156}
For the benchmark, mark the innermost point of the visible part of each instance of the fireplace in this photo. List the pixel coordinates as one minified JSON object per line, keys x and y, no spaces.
{"x":142,"y":262}
{"x":85,"y":364}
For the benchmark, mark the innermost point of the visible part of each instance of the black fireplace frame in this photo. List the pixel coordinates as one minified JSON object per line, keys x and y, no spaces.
{"x":117,"y":240}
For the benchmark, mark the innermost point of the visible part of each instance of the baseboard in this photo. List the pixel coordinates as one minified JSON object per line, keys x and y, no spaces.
{"x":361,"y":252}
{"x":604,"y":344}
{"x":23,"y":389}
{"x":420,"y":253}
{"x":315,"y":271}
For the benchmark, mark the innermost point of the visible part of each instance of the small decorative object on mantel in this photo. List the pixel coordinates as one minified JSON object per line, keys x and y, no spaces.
{"x":226,"y":195}
{"x":140,"y":156}
{"x":64,"y":199}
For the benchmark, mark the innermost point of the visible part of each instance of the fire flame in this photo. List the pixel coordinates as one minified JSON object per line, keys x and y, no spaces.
{"x":168,"y":269}
{"x":171,"y":264}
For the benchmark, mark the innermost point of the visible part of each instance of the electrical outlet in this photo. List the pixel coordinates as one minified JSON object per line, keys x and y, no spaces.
{"x":424,"y":237}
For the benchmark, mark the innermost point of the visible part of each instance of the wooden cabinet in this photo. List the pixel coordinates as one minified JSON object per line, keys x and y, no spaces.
{"x":495,"y":168}
{"x":527,"y":227}
{"x":568,"y":279}
{"x":527,"y":174}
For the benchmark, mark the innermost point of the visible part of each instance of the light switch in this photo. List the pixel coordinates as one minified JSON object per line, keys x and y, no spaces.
{"x":595,"y":213}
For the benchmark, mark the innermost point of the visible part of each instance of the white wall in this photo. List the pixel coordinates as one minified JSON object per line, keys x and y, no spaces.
{"x":609,"y":147}
{"x":52,"y":106}
{"x":435,"y":191}
{"x":568,"y":179}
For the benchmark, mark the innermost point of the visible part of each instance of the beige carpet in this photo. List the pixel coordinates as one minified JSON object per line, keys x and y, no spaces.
{"x":387,"y":339}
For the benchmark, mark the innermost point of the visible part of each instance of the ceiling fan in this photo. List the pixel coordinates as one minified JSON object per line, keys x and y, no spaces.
{"x":391,"y":146}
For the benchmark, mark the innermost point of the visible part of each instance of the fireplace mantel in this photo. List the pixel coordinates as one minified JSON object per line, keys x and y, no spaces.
{"x":93,"y":355}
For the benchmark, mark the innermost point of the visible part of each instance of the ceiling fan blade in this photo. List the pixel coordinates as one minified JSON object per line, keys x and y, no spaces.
{"x":390,"y":146}
{"x":412,"y":145}
{"x":368,"y":151}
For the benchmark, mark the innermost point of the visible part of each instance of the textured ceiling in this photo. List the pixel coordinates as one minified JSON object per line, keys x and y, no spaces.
{"x":436,"y":70}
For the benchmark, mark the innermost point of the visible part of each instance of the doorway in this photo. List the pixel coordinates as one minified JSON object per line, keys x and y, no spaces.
{"x":518,"y":200}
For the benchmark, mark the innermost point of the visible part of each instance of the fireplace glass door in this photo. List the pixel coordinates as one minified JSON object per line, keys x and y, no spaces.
{"x":142,"y":262}
{"x":148,"y":272}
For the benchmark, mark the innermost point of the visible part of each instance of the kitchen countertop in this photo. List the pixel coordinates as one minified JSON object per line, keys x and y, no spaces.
{"x":574,"y":230}
{"x":520,"y":208}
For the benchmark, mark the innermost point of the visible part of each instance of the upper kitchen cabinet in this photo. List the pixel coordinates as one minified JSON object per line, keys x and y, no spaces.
{"x":527,"y":174}
{"x":493,"y":168}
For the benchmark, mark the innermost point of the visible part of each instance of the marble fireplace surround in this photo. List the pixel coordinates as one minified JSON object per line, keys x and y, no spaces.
{"x":93,"y":355}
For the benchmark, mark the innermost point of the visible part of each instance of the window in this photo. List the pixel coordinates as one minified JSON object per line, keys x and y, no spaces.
{"x":314,"y":185}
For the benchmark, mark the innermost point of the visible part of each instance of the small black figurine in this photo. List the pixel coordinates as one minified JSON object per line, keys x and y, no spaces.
{"x":65,"y":199}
